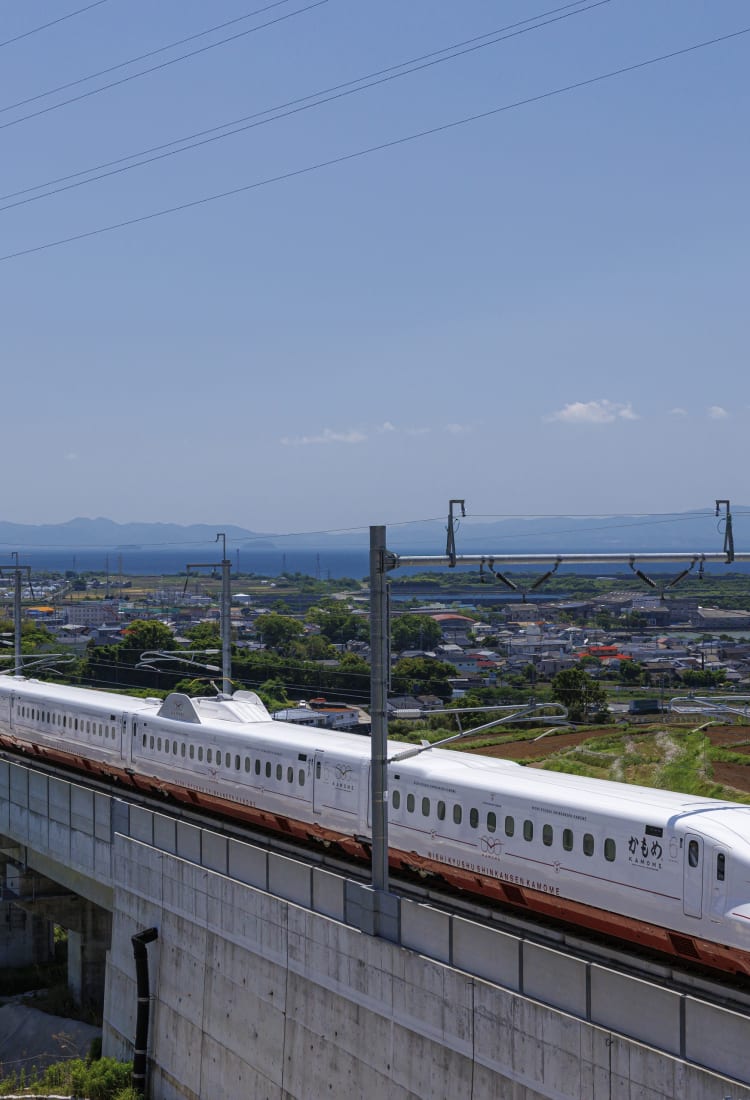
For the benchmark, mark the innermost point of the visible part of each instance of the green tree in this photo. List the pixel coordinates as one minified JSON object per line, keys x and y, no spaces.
{"x":278,"y":631}
{"x":583,"y":696}
{"x":144,"y":634}
{"x":423,"y":676}
{"x":630,"y":672}
{"x":338,"y":623}
{"x":415,"y":632}
{"x":204,"y":636}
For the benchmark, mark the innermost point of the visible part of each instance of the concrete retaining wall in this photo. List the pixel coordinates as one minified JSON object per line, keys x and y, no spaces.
{"x":257,"y":996}
{"x":266,"y":985}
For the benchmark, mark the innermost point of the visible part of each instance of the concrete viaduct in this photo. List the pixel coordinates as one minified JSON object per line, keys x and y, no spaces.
{"x":266,"y":981}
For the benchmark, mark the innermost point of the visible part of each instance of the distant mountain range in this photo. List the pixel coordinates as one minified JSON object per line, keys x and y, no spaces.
{"x":698,"y":531}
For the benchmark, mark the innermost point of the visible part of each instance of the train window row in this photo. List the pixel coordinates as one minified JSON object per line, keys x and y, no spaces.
{"x":221,"y":759}
{"x":588,"y":843}
{"x":68,"y":721}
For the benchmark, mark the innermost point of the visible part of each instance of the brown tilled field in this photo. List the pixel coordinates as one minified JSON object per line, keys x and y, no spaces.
{"x":734,"y":738}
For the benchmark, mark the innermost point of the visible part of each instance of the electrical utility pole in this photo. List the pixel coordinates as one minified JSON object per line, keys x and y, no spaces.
{"x":16,"y":571}
{"x":225,"y":612}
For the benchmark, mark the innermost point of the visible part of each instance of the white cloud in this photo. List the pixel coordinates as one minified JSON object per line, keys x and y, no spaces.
{"x":594,"y":412}
{"x":678,"y":412}
{"x":386,"y":426}
{"x":326,"y":436}
{"x":716,"y":412}
{"x":458,"y":429}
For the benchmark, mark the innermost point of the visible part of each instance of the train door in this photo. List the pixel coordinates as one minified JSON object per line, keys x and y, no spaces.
{"x":318,"y":783}
{"x":719,"y":882}
{"x":692,"y":876}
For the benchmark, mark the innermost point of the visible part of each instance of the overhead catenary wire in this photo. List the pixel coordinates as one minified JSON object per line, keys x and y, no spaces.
{"x":162,"y":65}
{"x":279,"y":111}
{"x":369,"y":150}
{"x":52,"y":23}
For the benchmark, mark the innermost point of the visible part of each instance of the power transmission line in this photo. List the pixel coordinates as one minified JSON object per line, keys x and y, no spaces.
{"x":154,"y":68}
{"x":381,"y":147}
{"x":52,"y":23}
{"x":296,"y":106}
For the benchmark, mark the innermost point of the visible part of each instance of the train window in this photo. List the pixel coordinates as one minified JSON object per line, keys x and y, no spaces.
{"x":721,"y":866}
{"x":528,"y":830}
{"x":425,"y":807}
{"x":547,"y":836}
{"x":441,"y":811}
{"x":588,"y":844}
{"x":609,"y":849}
{"x":237,"y":763}
{"x":301,"y":777}
{"x":209,"y":756}
{"x":166,"y":745}
{"x":279,"y":771}
{"x":396,"y":799}
{"x":568,"y":840}
{"x":257,"y":767}
{"x":458,"y":813}
{"x":75,"y":724}
{"x":290,"y":774}
{"x":100,"y":729}
{"x":410,"y":803}
{"x":218,"y":756}
{"x":174,"y":749}
{"x":268,"y":769}
{"x":474,"y":818}
{"x":693,"y":853}
{"x":88,"y":727}
{"x":158,"y":744}
{"x":510,"y":826}
{"x":182,"y":749}
{"x":247,"y":763}
{"x":200,"y":752}
{"x":65,"y":721}
{"x":151,"y":742}
{"x":491,"y":822}
{"x":144,"y":740}
{"x":191,"y":752}
{"x":317,"y":769}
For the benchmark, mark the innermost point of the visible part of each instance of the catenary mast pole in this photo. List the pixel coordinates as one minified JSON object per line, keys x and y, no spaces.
{"x":226,"y":619}
{"x":379,"y":669}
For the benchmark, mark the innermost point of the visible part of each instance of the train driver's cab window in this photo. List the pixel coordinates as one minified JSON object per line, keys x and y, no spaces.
{"x":693,"y":853}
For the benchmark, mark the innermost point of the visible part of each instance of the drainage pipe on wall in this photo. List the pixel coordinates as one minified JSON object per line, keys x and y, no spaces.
{"x":139,"y":941}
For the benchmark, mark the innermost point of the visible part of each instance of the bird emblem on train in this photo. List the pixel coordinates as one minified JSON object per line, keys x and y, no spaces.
{"x":492,"y":846}
{"x":343,"y":778}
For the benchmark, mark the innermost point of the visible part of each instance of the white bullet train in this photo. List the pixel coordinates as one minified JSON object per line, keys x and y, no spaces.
{"x":668,"y":871}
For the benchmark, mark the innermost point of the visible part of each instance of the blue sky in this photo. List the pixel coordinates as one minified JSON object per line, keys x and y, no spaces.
{"x":542,"y":311}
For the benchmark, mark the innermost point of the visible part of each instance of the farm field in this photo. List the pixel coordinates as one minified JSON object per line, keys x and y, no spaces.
{"x":713,"y":762}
